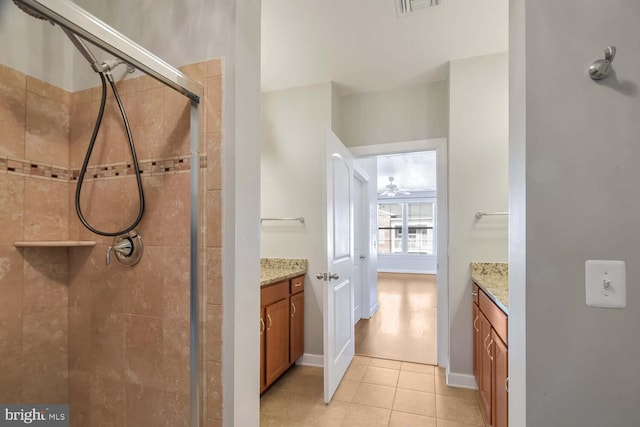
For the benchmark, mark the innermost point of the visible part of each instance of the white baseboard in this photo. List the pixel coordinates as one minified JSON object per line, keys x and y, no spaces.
{"x":406,"y":271}
{"x":308,"y":359}
{"x":461,"y":380}
{"x":372,"y":310}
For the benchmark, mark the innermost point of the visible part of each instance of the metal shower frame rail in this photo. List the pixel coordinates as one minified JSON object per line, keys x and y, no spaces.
{"x":72,"y":17}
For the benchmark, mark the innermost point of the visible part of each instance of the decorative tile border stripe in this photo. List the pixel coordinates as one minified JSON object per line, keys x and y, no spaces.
{"x":181,"y":164}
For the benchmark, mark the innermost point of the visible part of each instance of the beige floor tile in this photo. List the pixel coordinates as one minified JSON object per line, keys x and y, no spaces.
{"x":460,"y":393}
{"x":402,"y":419}
{"x":346,"y":391}
{"x":380,"y":396}
{"x":311,"y":370}
{"x":288,"y":405}
{"x":404,"y":326}
{"x":309,"y":386}
{"x":415,"y":402}
{"x":416,"y":381}
{"x":382,"y":376}
{"x":274,"y":402}
{"x":447,"y":423}
{"x":278,"y":422}
{"x":385,"y":363}
{"x":366,"y":416}
{"x":460,"y":410}
{"x":296,"y":400}
{"x":361,"y":360}
{"x":329,"y":415}
{"x":418,"y":367}
{"x":355,"y":372}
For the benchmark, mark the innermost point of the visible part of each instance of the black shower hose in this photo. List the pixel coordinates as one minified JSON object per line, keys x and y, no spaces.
{"x":83,"y":171}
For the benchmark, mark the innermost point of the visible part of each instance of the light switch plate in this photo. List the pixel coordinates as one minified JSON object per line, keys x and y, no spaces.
{"x":606,"y":283}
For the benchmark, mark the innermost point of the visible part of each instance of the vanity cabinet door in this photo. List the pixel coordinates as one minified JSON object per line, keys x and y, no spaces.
{"x":277,"y":339}
{"x":263,"y":330}
{"x":486,"y":362}
{"x":296,"y":343}
{"x":477,"y":344}
{"x":500,"y":387}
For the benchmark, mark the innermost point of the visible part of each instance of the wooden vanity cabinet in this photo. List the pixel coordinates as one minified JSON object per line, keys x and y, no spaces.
{"x":490,"y":357}
{"x":296,"y":327}
{"x":281,"y":328}
{"x":486,"y":371}
{"x":477,"y":347}
{"x":500,"y":387}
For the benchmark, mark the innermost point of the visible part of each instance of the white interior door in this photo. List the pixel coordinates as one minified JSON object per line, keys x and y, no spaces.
{"x":339,"y":339}
{"x":356,"y":277}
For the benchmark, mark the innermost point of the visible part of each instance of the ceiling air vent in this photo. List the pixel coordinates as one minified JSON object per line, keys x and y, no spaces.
{"x":407,"y":7}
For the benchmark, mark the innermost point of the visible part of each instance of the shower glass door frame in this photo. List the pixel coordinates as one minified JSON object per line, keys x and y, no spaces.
{"x":69,"y":15}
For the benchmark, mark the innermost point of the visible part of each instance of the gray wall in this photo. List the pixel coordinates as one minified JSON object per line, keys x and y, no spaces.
{"x":581,"y":149}
{"x":35,"y":47}
{"x":180,"y":33}
{"x":293,"y":180}
{"x":397,"y":115}
{"x":478,"y":161}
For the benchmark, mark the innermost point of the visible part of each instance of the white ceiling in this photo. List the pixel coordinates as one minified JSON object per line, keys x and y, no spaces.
{"x":411,"y":172}
{"x":363,"y":46}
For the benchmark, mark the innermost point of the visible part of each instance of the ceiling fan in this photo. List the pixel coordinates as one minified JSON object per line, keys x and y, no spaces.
{"x":391,"y":190}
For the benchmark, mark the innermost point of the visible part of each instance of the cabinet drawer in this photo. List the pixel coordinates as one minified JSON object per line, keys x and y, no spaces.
{"x":297,"y":284}
{"x":496,"y":317}
{"x":273,"y":293}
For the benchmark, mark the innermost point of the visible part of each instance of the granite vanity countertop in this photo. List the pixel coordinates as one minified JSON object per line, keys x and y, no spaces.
{"x":273,"y":270}
{"x":493,"y":278}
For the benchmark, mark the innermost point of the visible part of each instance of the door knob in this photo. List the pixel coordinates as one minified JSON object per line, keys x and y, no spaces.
{"x":327,"y":276}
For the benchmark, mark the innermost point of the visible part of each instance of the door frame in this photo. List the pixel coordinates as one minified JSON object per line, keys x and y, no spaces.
{"x":366,"y":308}
{"x":439,"y":145}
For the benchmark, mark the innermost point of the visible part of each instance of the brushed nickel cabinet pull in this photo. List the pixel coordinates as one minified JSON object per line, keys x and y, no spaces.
{"x":293,"y":307}
{"x":270,"y":322}
{"x":474,"y":324}
{"x":261,"y":326}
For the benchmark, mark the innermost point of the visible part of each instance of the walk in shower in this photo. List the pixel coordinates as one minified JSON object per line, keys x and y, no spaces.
{"x":125,"y":344}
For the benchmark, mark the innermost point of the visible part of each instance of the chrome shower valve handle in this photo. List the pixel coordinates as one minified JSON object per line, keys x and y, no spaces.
{"x":127,"y":249}
{"x":124,"y":248}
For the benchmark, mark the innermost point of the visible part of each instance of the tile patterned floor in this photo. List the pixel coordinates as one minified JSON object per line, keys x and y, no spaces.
{"x":404,"y":327}
{"x":374,"y":392}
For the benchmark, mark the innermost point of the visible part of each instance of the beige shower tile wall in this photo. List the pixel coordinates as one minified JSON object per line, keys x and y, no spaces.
{"x":130,"y":327}
{"x":115,"y":338}
{"x":34,"y":125}
{"x":213,"y":240}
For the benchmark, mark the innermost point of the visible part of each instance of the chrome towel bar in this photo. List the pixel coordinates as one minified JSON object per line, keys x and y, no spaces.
{"x":479,"y":215}
{"x":300,"y":218}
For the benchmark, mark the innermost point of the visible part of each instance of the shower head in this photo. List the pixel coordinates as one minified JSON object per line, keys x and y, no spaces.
{"x":104,"y":67}
{"x":31,"y":12}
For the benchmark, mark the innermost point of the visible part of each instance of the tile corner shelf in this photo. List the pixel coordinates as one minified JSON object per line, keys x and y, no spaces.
{"x":54,"y":243}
